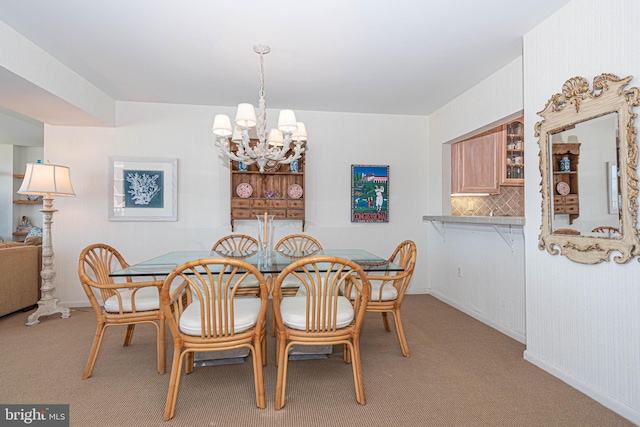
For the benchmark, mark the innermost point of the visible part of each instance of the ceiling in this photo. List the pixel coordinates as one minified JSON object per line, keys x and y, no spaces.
{"x":390,"y":57}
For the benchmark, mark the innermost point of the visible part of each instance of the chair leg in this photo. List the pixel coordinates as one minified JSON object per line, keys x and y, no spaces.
{"x":385,"y":321}
{"x":162,"y":352}
{"x":174,"y":384}
{"x":346,"y":353}
{"x":263,"y":344}
{"x":189,"y":360}
{"x":129,"y":335}
{"x":277,"y":350}
{"x":357,"y":373}
{"x":281,"y":381}
{"x":400,"y":331}
{"x":258,"y":374}
{"x":273,"y":325}
{"x":95,"y":348}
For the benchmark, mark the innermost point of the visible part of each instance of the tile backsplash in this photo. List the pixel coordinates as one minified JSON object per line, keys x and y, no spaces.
{"x":510,"y":202}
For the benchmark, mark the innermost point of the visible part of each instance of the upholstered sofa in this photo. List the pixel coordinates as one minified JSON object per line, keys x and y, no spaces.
{"x":20,"y":265}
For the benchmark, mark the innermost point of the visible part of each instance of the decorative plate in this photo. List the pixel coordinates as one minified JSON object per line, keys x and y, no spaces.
{"x":563,"y":188}
{"x":295,"y":191}
{"x":244,"y":190}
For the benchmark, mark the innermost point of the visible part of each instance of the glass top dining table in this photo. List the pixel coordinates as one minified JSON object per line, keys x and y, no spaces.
{"x":274,"y":261}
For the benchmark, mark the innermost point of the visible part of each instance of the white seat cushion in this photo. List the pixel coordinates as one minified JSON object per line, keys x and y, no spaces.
{"x":246,"y":311}
{"x":290,"y":282}
{"x":146,"y":299}
{"x":250,"y":281}
{"x":389,"y":292}
{"x":294,"y":313}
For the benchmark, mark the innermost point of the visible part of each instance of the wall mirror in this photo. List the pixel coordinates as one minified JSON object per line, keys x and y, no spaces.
{"x":588,"y":158}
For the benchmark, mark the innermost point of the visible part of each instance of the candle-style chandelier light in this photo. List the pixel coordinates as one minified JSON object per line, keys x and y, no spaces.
{"x":266,"y":152}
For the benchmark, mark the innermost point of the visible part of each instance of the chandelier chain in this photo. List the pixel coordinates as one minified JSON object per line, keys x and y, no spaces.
{"x":262,"y":104}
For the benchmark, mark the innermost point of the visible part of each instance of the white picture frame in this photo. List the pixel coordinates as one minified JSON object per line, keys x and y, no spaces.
{"x":143,"y":189}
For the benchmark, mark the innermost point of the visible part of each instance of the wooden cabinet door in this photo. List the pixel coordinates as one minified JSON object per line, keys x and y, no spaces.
{"x":476,"y":164}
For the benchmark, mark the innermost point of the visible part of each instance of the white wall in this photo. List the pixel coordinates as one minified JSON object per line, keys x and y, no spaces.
{"x":583,"y":321}
{"x":6,"y":191}
{"x":472,"y":267}
{"x":336,"y":141}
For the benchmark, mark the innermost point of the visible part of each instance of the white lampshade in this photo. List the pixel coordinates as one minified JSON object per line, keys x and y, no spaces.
{"x":300,"y":134}
{"x":246,"y":116}
{"x":275,"y":138}
{"x":222,"y":125}
{"x":47,"y":179}
{"x":287,"y":121}
{"x":237,"y":134}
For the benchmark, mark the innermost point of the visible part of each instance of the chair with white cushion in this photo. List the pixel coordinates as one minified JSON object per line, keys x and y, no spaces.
{"x":239,"y":246}
{"x":387,"y":292}
{"x":320,"y":314}
{"x":205,"y":314}
{"x":296,"y":245}
{"x":126,"y":303}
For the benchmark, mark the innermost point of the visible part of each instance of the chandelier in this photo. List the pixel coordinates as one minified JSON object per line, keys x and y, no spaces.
{"x":266,"y":151}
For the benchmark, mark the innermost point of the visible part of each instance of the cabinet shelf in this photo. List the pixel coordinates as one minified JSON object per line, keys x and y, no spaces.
{"x":262,"y":173}
{"x":27,"y":202}
{"x":262,"y":184}
{"x":512,"y":174}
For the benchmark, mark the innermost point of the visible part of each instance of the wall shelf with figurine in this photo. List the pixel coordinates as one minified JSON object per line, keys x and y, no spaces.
{"x":513,"y":154}
{"x":566,"y":194}
{"x":21,"y":211}
{"x":279,"y":191}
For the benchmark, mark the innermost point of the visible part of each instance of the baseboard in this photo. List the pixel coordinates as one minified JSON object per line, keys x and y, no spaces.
{"x":604,"y":399}
{"x":501,"y":328}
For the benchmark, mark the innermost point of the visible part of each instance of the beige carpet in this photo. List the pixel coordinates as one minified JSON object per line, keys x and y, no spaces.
{"x":460,"y":373}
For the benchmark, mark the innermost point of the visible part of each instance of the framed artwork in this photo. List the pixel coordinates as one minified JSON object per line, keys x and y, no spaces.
{"x":143,"y":189}
{"x":369,"y":193}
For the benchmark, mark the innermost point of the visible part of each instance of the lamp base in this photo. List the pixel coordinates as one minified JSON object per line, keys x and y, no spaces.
{"x":46,"y":308}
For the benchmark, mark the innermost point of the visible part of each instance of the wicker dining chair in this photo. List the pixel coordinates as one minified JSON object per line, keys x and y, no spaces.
{"x":125,"y":303}
{"x":205,"y":314}
{"x":320,"y":315}
{"x":387,"y":291}
{"x":298,"y":242}
{"x":608,"y":230}
{"x":239,"y":246}
{"x":236,"y":243}
{"x":294,"y":243}
{"x":291,"y":244}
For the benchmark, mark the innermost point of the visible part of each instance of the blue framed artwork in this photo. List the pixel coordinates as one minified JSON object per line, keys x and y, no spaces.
{"x":369,"y":193}
{"x":142,"y":189}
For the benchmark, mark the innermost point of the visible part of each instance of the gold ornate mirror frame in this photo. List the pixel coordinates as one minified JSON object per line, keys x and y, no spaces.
{"x":577,"y":104}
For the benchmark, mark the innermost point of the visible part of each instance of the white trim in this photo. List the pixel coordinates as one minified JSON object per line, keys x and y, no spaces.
{"x":604,"y":399}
